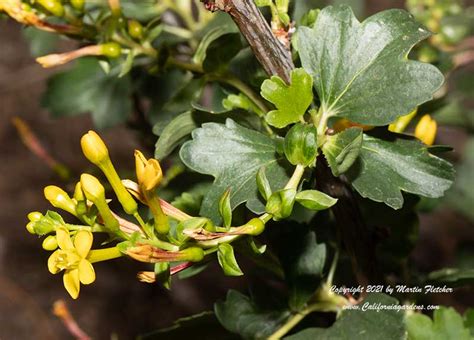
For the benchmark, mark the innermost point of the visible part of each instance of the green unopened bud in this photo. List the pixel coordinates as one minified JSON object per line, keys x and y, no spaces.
{"x":301,"y":144}
{"x":225,"y":209}
{"x":254,"y":227}
{"x":50,"y":243}
{"x":52,"y":6}
{"x":94,"y":148}
{"x":193,"y":254}
{"x":34,"y":216}
{"x":95,"y":193}
{"x":111,"y":50}
{"x":60,"y":199}
{"x":263,"y":184}
{"x":78,"y":4}
{"x":135,"y":29}
{"x":280,"y":204}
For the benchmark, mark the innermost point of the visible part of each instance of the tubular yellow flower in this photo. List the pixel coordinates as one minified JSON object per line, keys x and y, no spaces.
{"x":149,"y":173}
{"x":60,"y":199}
{"x":95,"y":193}
{"x":72,"y":258}
{"x":426,"y":130}
{"x":95,"y":151}
{"x":402,"y":122}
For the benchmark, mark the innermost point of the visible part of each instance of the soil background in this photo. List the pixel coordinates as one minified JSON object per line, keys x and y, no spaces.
{"x":117,"y":305}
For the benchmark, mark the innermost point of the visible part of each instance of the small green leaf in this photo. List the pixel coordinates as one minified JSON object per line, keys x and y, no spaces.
{"x":446,"y":324}
{"x":211,"y":36}
{"x":315,"y":200}
{"x":233,"y":155}
{"x":361,"y":70}
{"x":162,"y":274}
{"x":301,"y":144}
{"x":225,"y":210}
{"x":227,"y":261}
{"x":86,"y":88}
{"x":128,"y":64}
{"x":240,"y":101}
{"x":240,"y":315}
{"x":175,"y":133}
{"x":291,"y":101}
{"x":385,"y":168}
{"x":359,"y":324}
{"x":263,"y":184}
{"x":342,"y":149}
{"x":280,"y":204}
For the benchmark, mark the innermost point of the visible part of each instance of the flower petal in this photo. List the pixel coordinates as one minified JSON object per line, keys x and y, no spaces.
{"x":52,"y":260}
{"x":64,"y":239}
{"x":83,"y":242}
{"x":86,"y":272}
{"x":71,"y":282}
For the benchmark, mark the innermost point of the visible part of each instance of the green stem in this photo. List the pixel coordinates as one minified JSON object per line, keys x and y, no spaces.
{"x":289,"y":324}
{"x":295,"y":178}
{"x":332,"y":270}
{"x":148,"y":232}
{"x":185,"y":16}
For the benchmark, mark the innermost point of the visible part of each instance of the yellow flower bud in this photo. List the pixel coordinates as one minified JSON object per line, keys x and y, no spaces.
{"x":50,"y":243}
{"x":60,"y":199}
{"x":149,"y":173}
{"x":93,"y":189}
{"x":34,"y":216}
{"x":31,"y":227}
{"x":95,"y":193}
{"x":426,"y":130}
{"x":94,"y":148}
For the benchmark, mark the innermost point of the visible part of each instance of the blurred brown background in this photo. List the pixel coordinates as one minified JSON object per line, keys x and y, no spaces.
{"x":116,"y":304}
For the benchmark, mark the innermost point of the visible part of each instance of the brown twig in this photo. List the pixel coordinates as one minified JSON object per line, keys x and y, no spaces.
{"x":62,"y":312}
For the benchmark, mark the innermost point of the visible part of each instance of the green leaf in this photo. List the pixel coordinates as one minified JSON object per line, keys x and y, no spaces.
{"x":263,"y":184}
{"x":358,"y":324}
{"x":303,"y":261}
{"x":86,"y":88}
{"x":240,"y":315}
{"x":452,"y":277}
{"x":41,"y":42}
{"x":342,"y":149}
{"x":240,"y":101}
{"x":175,"y":133}
{"x":361,"y":71}
{"x":291,"y":101}
{"x":162,"y":274}
{"x":202,"y":326}
{"x":211,"y":36}
{"x":385,"y":168}
{"x":446,"y":324}
{"x":227,"y":261}
{"x":225,"y":210}
{"x":315,"y":200}
{"x":233,"y":155}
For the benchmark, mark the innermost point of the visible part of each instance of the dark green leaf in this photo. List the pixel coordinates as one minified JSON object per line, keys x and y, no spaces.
{"x":342,"y":149}
{"x":315,"y":200}
{"x":291,"y":101}
{"x":239,"y":315}
{"x":361,"y":71}
{"x":227,"y":261}
{"x":233,"y":155}
{"x":41,"y":42}
{"x":86,"y":88}
{"x":446,"y":324}
{"x":362,"y":325}
{"x":211,"y":36}
{"x":174,"y":134}
{"x":385,"y":168}
{"x":452,"y":277}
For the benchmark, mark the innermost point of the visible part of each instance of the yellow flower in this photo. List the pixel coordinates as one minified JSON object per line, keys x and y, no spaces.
{"x":401,"y":123}
{"x":72,"y":258}
{"x":149,"y":173}
{"x":426,"y":130}
{"x":59,"y":199}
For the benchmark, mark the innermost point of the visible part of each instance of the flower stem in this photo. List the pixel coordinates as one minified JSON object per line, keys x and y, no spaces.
{"x":295,"y":177}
